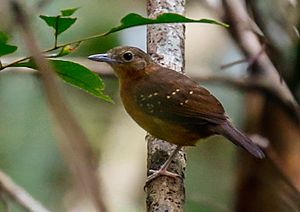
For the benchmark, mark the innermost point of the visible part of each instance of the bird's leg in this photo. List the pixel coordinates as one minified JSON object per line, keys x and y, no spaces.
{"x":163,"y":169}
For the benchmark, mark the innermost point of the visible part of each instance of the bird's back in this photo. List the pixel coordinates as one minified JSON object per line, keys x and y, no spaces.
{"x":168,"y":104}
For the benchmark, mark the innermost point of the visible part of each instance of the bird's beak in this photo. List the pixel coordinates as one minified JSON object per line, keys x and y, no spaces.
{"x":101,"y":58}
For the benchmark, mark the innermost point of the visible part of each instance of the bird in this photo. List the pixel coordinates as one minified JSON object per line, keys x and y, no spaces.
{"x":170,"y":105}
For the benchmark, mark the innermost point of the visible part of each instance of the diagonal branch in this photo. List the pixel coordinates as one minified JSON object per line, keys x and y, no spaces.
{"x":261,"y":87}
{"x":19,"y":195}
{"x":74,"y":145}
{"x":251,"y":46}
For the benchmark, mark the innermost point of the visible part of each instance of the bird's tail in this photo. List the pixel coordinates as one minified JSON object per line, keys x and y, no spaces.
{"x":240,"y":139}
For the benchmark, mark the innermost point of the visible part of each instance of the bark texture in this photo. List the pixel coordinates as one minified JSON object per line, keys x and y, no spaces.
{"x":166,"y":47}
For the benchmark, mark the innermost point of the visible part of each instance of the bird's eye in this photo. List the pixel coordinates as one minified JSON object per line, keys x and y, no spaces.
{"x":128,"y":56}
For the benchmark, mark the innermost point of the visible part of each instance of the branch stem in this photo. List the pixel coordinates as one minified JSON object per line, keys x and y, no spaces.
{"x":18,"y":194}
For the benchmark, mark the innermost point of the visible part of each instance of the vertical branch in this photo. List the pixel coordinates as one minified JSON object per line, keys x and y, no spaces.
{"x":166,"y":47}
{"x":74,"y":145}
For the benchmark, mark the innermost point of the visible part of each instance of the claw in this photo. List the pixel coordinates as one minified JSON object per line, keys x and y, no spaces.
{"x":163,"y":170}
{"x":158,"y":173}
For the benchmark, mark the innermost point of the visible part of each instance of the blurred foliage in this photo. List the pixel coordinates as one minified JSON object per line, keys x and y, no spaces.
{"x":28,"y":151}
{"x":29,"y":154}
{"x":279,"y":22}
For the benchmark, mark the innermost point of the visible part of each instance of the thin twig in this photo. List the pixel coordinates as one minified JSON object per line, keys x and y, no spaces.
{"x":263,"y":88}
{"x":18,"y":194}
{"x":228,"y":65}
{"x":250,"y":61}
{"x":56,"y":31}
{"x":74,"y":146}
{"x":57,"y":46}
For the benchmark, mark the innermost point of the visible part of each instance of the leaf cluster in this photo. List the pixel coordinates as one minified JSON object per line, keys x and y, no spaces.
{"x":73,"y":73}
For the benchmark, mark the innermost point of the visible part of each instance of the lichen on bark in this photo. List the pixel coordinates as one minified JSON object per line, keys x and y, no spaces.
{"x":165,"y":44}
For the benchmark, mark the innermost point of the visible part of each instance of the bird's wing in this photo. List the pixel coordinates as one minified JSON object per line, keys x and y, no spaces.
{"x":172,"y":96}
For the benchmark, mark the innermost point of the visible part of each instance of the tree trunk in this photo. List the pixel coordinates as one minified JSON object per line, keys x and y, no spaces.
{"x":166,"y":47}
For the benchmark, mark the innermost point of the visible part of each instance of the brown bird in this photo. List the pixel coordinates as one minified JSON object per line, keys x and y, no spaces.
{"x":169,"y":105}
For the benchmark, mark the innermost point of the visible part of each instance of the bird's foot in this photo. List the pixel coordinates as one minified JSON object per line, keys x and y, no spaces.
{"x":161,"y":172}
{"x":163,"y":169}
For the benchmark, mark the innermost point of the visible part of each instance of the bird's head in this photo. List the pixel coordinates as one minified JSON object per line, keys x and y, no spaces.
{"x":125,"y":60}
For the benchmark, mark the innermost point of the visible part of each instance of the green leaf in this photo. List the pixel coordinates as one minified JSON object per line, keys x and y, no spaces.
{"x":76,"y":75}
{"x":133,"y":19}
{"x":58,"y":23}
{"x":3,"y":37}
{"x":4,"y":47}
{"x":69,"y":12}
{"x":7,"y":49}
{"x":79,"y":76}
